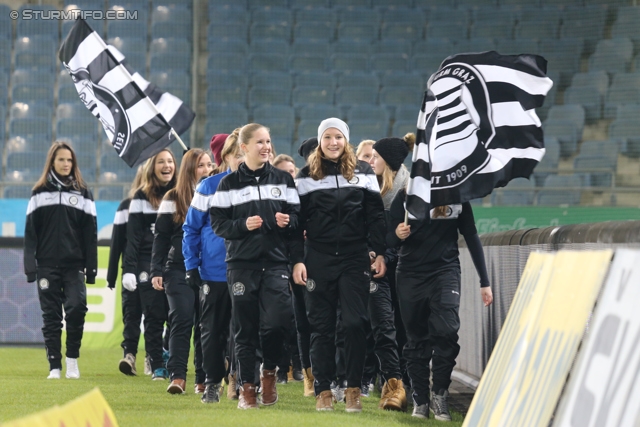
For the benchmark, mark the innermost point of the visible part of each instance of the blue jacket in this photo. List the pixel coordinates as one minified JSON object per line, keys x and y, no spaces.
{"x":201,"y":247}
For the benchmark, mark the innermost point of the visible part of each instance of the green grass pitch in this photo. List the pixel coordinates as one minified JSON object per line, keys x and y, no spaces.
{"x":138,"y":401}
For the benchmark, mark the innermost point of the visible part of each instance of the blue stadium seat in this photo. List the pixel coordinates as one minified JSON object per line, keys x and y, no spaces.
{"x":161,"y":13}
{"x":36,"y":128}
{"x":239,"y":4}
{"x":349,"y":62}
{"x":263,"y":30}
{"x":449,"y":15}
{"x":171,"y":29}
{"x":86,"y":157}
{"x":396,"y":46}
{"x":626,"y":24}
{"x":389,"y":62}
{"x":627,"y":112}
{"x":229,"y":95}
{"x":411,"y":80}
{"x":359,"y":79}
{"x":428,"y":63}
{"x":254,"y":4}
{"x":229,"y":14}
{"x":573,"y":113}
{"x":17,"y":191}
{"x":265,"y":113}
{"x":441,"y":46}
{"x":476,"y":44}
{"x":362,"y":31}
{"x":30,"y":76}
{"x":170,"y":45}
{"x":315,"y":78}
{"x":223,"y":30}
{"x":536,"y":29}
{"x":627,"y":130}
{"x":85,"y":128}
{"x":6,"y":24}
{"x":27,"y":143}
{"x":73,"y":110}
{"x":20,"y":110}
{"x":221,"y":124}
{"x":612,"y":55}
{"x":323,"y":31}
{"x":522,"y":195}
{"x":228,"y":79}
{"x":588,"y":97}
{"x":316,"y":14}
{"x":268,"y":62}
{"x":598,"y":80}
{"x":33,"y":27}
{"x":516,"y":47}
{"x":567,"y":132}
{"x":275,"y":96}
{"x":270,"y":46}
{"x":303,"y":95}
{"x":308,"y":62}
{"x":368,"y":112}
{"x":308,"y":128}
{"x":272,"y":14}
{"x":549,"y":163}
{"x":583,"y":28}
{"x":276,"y":79}
{"x":135,"y":29}
{"x":174,"y":4}
{"x":356,"y":95}
{"x":32,"y":93}
{"x":110,"y":193}
{"x":495,"y":29}
{"x":281,"y":132}
{"x":357,"y":14}
{"x":407,"y":113}
{"x":399,"y":95}
{"x":227,"y":62}
{"x":176,"y":61}
{"x":568,"y":192}
{"x":228,"y":45}
{"x":309,"y":46}
{"x":28,"y":162}
{"x":299,"y":4}
{"x":367,"y":129}
{"x":230,"y":111}
{"x":402,"y":31}
{"x":67,"y":93}
{"x":171,"y":81}
{"x":129,"y":46}
{"x":5,"y":56}
{"x":350,"y":47}
{"x":625,"y":90}
{"x":400,"y":128}
{"x":403,"y":15}
{"x":400,"y":4}
{"x":114,"y":169}
{"x":317,"y":113}
{"x":355,"y":3}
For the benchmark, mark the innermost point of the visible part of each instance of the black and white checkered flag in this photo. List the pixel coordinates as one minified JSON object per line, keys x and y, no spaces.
{"x":477,"y":128}
{"x":134,"y":125}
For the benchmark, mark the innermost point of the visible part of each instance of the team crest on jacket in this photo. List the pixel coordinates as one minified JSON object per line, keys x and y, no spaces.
{"x":275,"y":192}
{"x":237,"y":289}
{"x":205,"y":289}
{"x":73,"y":200}
{"x":44,"y":284}
{"x":143,"y":277}
{"x":311,"y":285}
{"x":373,"y":287}
{"x":354,"y":181}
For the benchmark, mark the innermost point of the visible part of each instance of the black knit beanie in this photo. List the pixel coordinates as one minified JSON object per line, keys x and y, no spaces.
{"x":307,"y":147}
{"x":393,"y":151}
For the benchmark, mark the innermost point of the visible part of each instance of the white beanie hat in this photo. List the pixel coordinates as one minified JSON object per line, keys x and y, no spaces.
{"x":333,"y":123}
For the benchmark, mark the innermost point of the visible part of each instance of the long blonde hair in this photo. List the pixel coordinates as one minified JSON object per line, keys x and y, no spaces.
{"x":182,"y":193}
{"x":348,"y":162}
{"x":152,"y":185}
{"x":230,"y":147}
{"x":77,"y":181}
{"x":138,"y":180}
{"x":364,"y":143}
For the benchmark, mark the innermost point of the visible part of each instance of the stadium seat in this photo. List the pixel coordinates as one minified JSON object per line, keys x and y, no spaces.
{"x":567,"y":192}
{"x":516,"y":47}
{"x":402,"y":31}
{"x":121,"y":28}
{"x":230,"y":95}
{"x":264,"y":114}
{"x":6,"y":24}
{"x":85,"y":128}
{"x":5,"y":56}
{"x":612,"y":55}
{"x":28,"y":163}
{"x":590,"y":31}
{"x":129,"y":46}
{"x":276,"y":96}
{"x":549,"y":163}
{"x":268,"y":62}
{"x":518,"y":192}
{"x":628,"y":112}
{"x":308,"y":62}
{"x":396,"y":46}
{"x":73,"y":110}
{"x":169,"y":45}
{"x":277,"y":79}
{"x":546,"y":28}
{"x":428,"y":63}
{"x":34,"y":127}
{"x":175,"y":61}
{"x":446,"y":13}
{"x":587,"y":96}
{"x":215,"y":125}
{"x":476,"y":44}
{"x":396,"y":96}
{"x":626,"y":24}
{"x":325,"y":14}
{"x":32,"y":93}
{"x":228,"y":79}
{"x":226,"y":30}
{"x":303,"y":95}
{"x":38,"y":27}
{"x":315,"y":78}
{"x":110,"y":193}
{"x":299,"y":4}
{"x":359,"y":79}
{"x":356,"y":95}
{"x":625,"y":90}
{"x":567,"y":133}
{"x":444,"y":47}
{"x":272,"y":14}
{"x":263,"y":30}
{"x":18,"y":191}
{"x":368,"y":112}
{"x":400,"y":128}
{"x":229,"y":111}
{"x":267,"y":47}
{"x":27,"y":143}
{"x":403,"y":14}
{"x":367,"y":129}
{"x":181,"y":16}
{"x":407,"y":112}
{"x":228,"y":45}
{"x":354,"y":14}
{"x":227,"y":62}
{"x":229,"y":14}
{"x":361,"y":31}
{"x":349,"y":62}
{"x":491,"y":29}
{"x":389,"y":62}
{"x":67,"y":93}
{"x":627,"y":131}
{"x":308,"y":128}
{"x":316,"y":113}
{"x":20,"y":110}
{"x":171,"y":81}
{"x":351,"y":47}
{"x":601,"y":156}
{"x":114,"y":169}
{"x":355,"y":3}
{"x":410,"y":80}
{"x":446,"y":29}
{"x":310,"y":46}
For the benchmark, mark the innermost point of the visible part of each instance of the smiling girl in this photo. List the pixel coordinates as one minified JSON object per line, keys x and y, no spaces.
{"x":143,"y":210}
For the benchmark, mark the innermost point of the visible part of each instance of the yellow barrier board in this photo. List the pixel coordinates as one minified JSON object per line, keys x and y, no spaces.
{"x":89,"y":410}
{"x":523,"y":380}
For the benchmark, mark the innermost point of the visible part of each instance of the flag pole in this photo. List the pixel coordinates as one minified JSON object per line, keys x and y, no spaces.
{"x":179,"y":139}
{"x":406,"y":217}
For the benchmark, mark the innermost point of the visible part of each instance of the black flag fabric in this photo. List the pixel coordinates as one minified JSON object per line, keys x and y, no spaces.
{"x":130,"y":119}
{"x":477,"y":128}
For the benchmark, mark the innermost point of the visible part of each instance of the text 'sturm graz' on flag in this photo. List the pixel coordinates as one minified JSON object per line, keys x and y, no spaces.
{"x":477,"y":128}
{"x":131,"y":120}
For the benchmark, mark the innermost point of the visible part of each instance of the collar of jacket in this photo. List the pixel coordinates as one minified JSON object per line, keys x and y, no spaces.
{"x":330,"y":166}
{"x":245,"y":174}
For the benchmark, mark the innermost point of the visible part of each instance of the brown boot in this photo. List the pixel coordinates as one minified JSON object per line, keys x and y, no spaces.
{"x":199,"y":388}
{"x":324,"y":401}
{"x":393,"y":396}
{"x":248,"y":397}
{"x":268,"y":385}
{"x":176,"y":387}
{"x":308,"y":383}
{"x":352,"y":396}
{"x":232,"y":389}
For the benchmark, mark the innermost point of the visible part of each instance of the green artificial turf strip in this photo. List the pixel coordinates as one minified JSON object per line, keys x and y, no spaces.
{"x":138,"y":401}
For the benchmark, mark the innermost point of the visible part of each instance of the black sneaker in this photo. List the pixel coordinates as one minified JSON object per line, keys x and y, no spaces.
{"x":211,"y":394}
{"x":297,"y":375}
{"x":439,"y":406}
{"x":281,"y":376}
{"x":420,"y":411}
{"x":364,"y":390}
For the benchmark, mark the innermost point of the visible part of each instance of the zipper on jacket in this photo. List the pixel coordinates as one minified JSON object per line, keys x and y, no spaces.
{"x":339,"y":216}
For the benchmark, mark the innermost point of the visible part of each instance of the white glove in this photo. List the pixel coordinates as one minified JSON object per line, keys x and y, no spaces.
{"x":129,"y":282}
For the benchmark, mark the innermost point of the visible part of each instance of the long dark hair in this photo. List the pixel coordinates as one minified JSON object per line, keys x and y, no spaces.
{"x":77,"y":181}
{"x":152,"y":185}
{"x":187,"y":180}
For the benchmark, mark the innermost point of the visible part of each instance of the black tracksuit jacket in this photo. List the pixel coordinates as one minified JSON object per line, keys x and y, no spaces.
{"x":167,"y":244}
{"x":61,"y":230}
{"x":245,"y":193}
{"x":118,"y":241}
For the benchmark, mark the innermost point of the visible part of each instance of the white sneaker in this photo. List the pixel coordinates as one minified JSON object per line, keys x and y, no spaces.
{"x":54,"y":374}
{"x":72,"y":369}
{"x":147,"y":365}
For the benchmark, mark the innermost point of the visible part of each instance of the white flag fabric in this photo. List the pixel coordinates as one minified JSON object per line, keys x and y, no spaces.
{"x":134,"y":125}
{"x":477,"y":128}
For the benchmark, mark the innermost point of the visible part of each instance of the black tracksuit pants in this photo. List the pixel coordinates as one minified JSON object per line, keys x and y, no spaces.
{"x":184,"y":310}
{"x":131,"y":317}
{"x":58,"y":288}
{"x":262,"y":312}
{"x":302,"y":324}
{"x":155,"y":309}
{"x":429,"y":303}
{"x":215,"y":317}
{"x":383,"y":329}
{"x":333,"y":278}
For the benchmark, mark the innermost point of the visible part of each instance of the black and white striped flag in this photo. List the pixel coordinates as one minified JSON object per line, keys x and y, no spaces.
{"x":477,"y":128}
{"x":134,"y":125}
